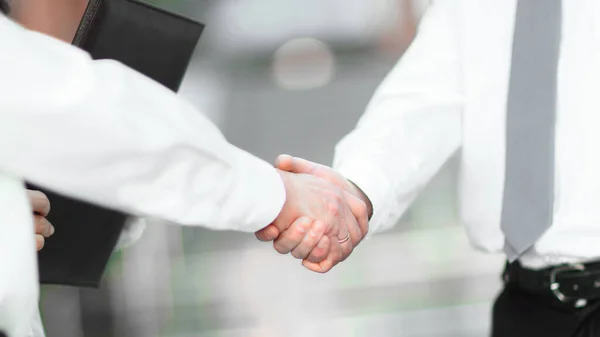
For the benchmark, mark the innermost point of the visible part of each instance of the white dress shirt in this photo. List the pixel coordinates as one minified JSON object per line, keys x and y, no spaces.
{"x":100,"y":132}
{"x":448,"y":93}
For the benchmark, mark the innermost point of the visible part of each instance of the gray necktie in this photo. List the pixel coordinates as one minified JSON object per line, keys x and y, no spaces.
{"x":530,"y":123}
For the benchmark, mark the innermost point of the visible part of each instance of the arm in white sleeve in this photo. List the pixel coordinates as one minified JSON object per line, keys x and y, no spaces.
{"x":413,"y":123}
{"x":98,"y":131}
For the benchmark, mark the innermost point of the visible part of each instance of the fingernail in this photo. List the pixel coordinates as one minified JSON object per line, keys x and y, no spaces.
{"x":51,"y":230}
{"x":322,"y":243}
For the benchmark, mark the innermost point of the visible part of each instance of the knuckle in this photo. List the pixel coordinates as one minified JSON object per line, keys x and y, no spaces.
{"x":39,"y":223}
{"x":334,"y":209}
{"x":299,"y":230}
{"x":317,"y":230}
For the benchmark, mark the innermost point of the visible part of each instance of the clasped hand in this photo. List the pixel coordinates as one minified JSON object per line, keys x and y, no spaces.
{"x":324,"y":217}
{"x":41,"y":207}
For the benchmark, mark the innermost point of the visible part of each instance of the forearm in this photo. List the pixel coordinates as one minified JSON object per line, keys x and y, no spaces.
{"x":412,"y":125}
{"x":391,"y":172}
{"x":100,"y":132}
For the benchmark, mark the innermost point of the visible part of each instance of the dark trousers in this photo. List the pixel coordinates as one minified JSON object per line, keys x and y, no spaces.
{"x":520,"y":314}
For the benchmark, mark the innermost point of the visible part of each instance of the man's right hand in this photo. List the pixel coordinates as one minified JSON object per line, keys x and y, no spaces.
{"x":41,"y":207}
{"x":314,"y":209}
{"x":358,"y":203}
{"x":320,"y":223}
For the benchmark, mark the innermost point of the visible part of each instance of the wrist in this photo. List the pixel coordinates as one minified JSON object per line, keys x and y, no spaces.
{"x":286,"y":180}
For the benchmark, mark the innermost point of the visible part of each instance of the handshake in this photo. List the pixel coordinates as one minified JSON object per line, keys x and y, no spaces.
{"x":324,"y":216}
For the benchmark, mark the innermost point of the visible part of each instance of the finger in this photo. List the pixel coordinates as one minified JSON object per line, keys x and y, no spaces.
{"x":310,"y":241}
{"x":295,"y":165}
{"x":349,"y":235}
{"x":284,"y":162}
{"x":359,"y":210}
{"x":353,"y":228}
{"x":39,"y":242}
{"x":39,"y":202}
{"x":340,"y":220}
{"x":43,"y":226}
{"x":293,"y":235}
{"x":347,"y":248}
{"x":269,"y":233}
{"x":348,"y":229}
{"x":333,"y":258}
{"x":319,"y":253}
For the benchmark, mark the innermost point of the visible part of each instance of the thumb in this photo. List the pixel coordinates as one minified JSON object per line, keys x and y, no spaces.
{"x":295,"y":165}
{"x":269,"y":233}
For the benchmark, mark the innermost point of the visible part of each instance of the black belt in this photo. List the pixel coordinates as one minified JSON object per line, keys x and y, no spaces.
{"x":567,"y":283}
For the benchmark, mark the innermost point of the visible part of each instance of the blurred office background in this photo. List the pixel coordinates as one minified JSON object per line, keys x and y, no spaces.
{"x":291,"y":76}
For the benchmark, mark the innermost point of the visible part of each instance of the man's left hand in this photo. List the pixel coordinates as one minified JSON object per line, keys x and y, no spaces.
{"x":41,"y":207}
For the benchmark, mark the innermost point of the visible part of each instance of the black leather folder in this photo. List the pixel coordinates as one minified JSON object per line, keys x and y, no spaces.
{"x":157,"y":44}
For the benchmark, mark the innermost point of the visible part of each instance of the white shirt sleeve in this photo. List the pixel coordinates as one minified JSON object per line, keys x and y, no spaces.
{"x":98,"y":131}
{"x":413,"y":123}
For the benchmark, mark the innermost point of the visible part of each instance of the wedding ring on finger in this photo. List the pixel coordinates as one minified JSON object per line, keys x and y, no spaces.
{"x":345,"y":239}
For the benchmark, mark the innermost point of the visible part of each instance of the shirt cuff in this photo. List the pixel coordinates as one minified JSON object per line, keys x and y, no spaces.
{"x":261,"y":189}
{"x":371,"y":180}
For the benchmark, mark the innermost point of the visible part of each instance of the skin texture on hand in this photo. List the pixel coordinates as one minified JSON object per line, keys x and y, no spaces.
{"x":41,"y":207}
{"x":314,"y":208}
{"x":299,"y":165}
{"x":302,"y":237}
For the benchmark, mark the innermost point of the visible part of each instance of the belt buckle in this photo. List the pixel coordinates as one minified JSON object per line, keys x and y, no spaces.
{"x":555,"y":286}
